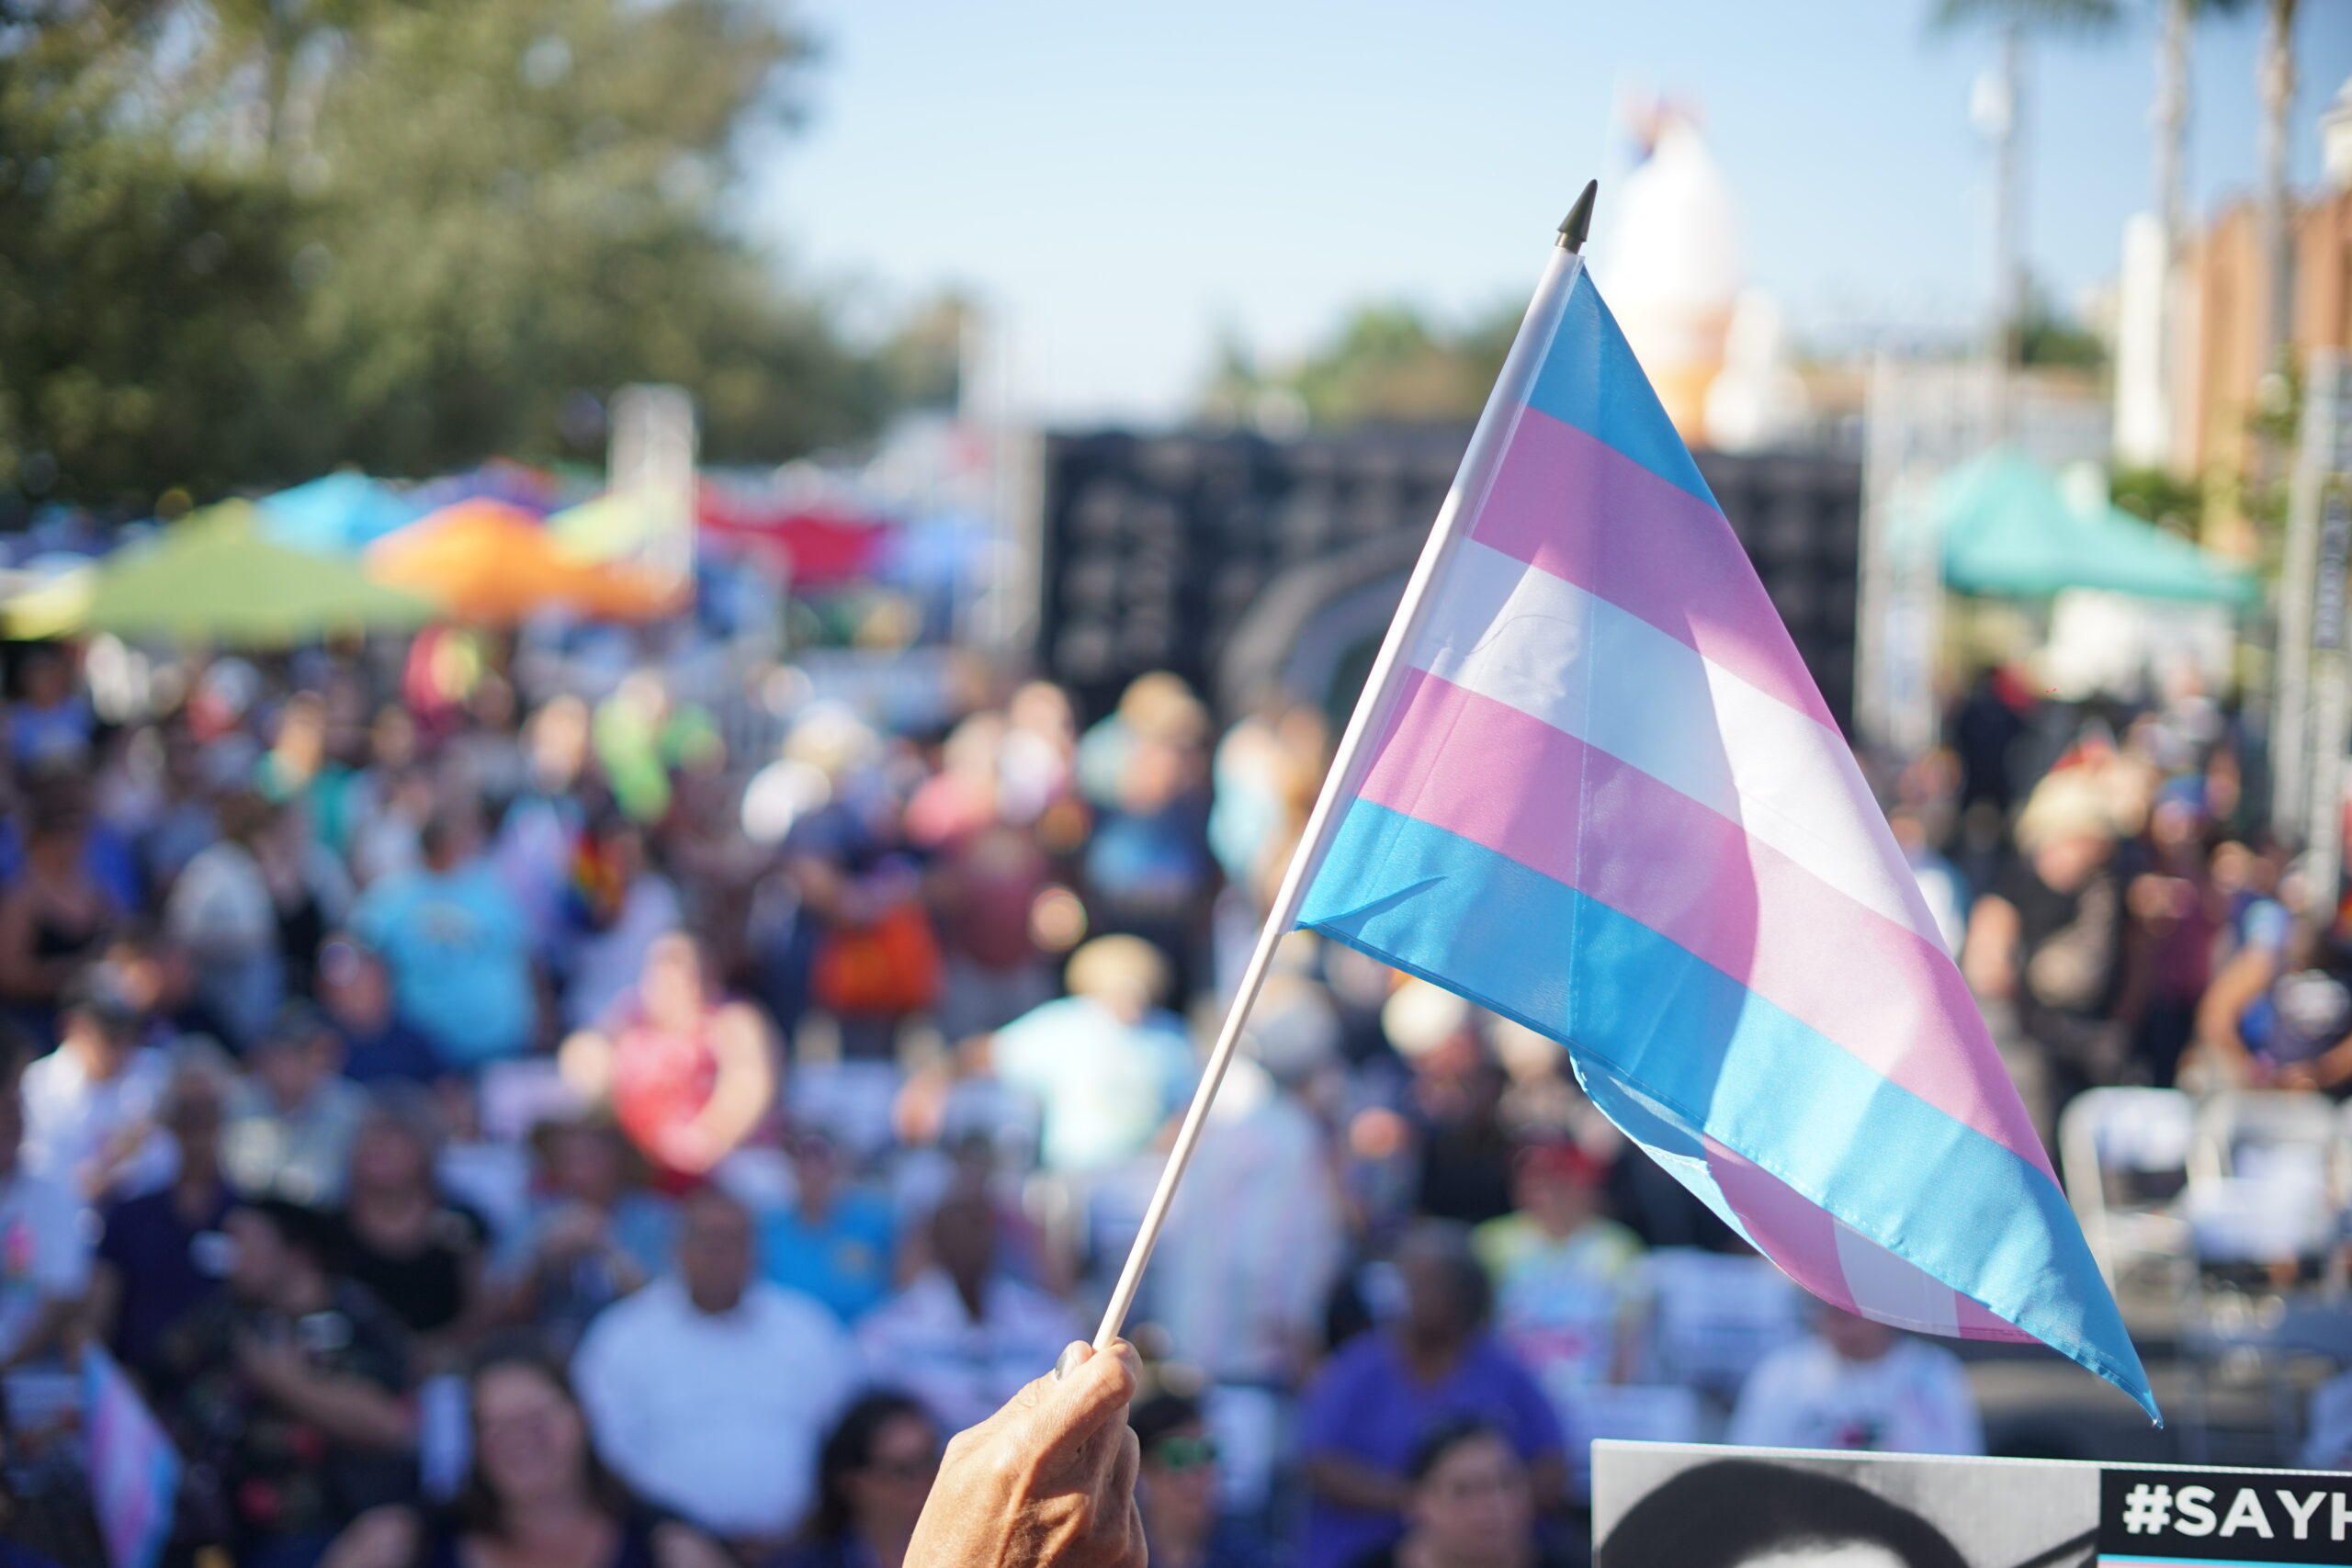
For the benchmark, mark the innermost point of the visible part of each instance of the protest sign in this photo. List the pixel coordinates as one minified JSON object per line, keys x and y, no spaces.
{"x":1668,"y":1505}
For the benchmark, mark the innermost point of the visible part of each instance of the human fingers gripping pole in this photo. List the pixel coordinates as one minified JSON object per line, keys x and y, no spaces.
{"x":1354,"y":755}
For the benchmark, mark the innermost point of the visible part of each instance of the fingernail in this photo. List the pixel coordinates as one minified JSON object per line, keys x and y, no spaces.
{"x":1073,"y":1356}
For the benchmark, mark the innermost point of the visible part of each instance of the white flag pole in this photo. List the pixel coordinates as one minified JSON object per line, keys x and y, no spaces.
{"x":1341,"y":784}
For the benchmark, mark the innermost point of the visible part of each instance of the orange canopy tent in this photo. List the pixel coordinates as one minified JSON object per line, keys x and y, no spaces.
{"x":485,"y":562}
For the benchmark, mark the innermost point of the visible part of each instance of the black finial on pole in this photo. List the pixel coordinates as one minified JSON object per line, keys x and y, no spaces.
{"x":1578,"y":223}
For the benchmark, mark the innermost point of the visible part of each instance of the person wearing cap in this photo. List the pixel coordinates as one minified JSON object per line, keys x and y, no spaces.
{"x":292,"y":1115}
{"x":1566,"y":1276}
{"x":90,"y":1105}
{"x":1569,"y":1296}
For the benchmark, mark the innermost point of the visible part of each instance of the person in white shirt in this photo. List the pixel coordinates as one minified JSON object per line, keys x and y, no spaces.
{"x":221,"y":910}
{"x":44,"y":1261}
{"x":1858,"y":1384}
{"x":1254,"y":1239}
{"x":710,"y":1393}
{"x":292,"y":1117}
{"x":90,"y":1105}
{"x":964,"y":1335}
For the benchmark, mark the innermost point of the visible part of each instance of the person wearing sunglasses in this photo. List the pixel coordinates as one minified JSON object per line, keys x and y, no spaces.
{"x":873,"y":1477}
{"x":1184,"y":1521}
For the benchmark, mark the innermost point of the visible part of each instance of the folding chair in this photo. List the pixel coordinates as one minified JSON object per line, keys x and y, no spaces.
{"x":2124,"y":1154}
{"x":2262,"y":1182}
{"x":1715,"y":1316}
{"x":2262,"y":1205}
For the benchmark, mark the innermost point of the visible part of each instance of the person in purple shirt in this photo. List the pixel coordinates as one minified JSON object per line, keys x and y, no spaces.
{"x":162,"y":1255}
{"x":1383,"y":1392}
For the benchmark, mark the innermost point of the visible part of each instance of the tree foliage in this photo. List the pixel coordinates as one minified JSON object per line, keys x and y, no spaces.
{"x":244,"y":241}
{"x":1387,"y":365}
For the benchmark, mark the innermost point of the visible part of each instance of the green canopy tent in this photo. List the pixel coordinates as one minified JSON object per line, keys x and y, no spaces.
{"x":2007,"y":531}
{"x":211,"y":578}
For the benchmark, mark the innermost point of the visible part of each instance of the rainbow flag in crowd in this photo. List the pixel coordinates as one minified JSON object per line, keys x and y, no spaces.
{"x":1597,"y":793}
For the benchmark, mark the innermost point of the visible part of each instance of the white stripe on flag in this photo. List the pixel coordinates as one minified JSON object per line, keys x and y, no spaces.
{"x":1578,"y":663}
{"x":1892,"y":1290}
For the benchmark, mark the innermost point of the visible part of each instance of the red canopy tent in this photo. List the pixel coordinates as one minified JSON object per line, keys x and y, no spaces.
{"x":823,"y":546}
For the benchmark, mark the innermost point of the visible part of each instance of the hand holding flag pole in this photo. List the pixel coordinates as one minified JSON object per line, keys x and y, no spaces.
{"x":1372,"y":710}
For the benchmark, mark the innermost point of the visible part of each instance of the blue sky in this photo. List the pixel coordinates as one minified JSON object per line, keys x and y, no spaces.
{"x":1120,"y":180}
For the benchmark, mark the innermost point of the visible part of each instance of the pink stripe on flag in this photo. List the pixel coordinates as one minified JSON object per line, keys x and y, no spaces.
{"x":1977,"y":1322}
{"x":1580,"y":510}
{"x":1802,"y":1238}
{"x":1795,"y":1232}
{"x":1492,"y":774}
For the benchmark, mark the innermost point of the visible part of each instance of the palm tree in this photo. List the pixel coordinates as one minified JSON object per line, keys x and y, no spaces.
{"x":2015,"y":20}
{"x":2275,"y":75}
{"x":2170,"y":116}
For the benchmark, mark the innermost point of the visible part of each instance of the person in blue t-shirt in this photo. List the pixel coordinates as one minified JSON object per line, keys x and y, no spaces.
{"x":836,"y":1241}
{"x":454,"y":945}
{"x":357,"y":997}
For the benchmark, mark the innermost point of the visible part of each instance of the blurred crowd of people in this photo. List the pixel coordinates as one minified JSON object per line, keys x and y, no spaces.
{"x":505,"y":1125}
{"x":2128,"y":918}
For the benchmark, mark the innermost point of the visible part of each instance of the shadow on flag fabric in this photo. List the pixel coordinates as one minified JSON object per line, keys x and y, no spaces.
{"x":1597,"y":793}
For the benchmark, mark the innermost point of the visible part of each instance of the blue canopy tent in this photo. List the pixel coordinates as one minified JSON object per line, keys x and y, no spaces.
{"x":338,"y":514}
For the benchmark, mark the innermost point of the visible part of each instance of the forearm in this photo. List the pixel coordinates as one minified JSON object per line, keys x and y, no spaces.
{"x":51,"y":1329}
{"x":349,"y":1410}
{"x":2334,"y":1066}
{"x":746,"y":1084}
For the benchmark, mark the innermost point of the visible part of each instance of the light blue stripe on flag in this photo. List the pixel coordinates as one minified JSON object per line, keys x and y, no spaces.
{"x":1590,"y":380}
{"x":1703,"y":1046}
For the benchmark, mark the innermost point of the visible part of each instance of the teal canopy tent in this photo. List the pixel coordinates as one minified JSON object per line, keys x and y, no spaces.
{"x":2008,"y":531}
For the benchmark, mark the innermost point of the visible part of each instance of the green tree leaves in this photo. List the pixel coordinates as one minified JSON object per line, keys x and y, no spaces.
{"x":244,"y":240}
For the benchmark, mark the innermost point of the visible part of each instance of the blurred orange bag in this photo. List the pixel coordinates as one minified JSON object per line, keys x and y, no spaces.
{"x":890,"y":966}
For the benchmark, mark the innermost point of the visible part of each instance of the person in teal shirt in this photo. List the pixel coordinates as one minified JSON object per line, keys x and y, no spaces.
{"x":1106,"y":1065}
{"x":456,"y":946}
{"x":834,"y":1241}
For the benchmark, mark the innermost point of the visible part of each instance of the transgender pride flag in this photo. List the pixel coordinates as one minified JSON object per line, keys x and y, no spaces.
{"x":1591,"y":787}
